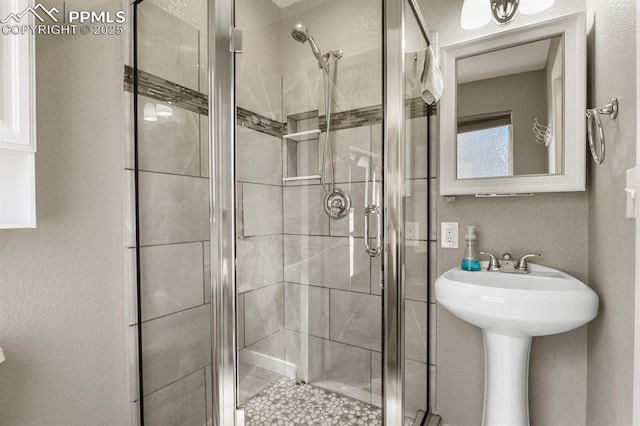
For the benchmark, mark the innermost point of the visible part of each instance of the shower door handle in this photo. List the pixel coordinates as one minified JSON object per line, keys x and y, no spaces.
{"x":373,"y":251}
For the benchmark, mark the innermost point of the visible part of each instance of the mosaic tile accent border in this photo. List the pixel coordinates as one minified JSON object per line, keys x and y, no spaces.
{"x":166,"y":91}
{"x":259,"y":123}
{"x":163,"y":90}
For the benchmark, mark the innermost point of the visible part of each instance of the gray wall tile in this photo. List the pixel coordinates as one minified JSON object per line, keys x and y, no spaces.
{"x":204,"y":146}
{"x":416,"y":206}
{"x":263,"y":312}
{"x":170,"y":144}
{"x":415,"y":387}
{"x":175,"y":346}
{"x":259,"y":85}
{"x":252,"y":380}
{"x":171,"y":278}
{"x":356,"y":319}
{"x":267,"y":354}
{"x":308,"y":157}
{"x":331,"y":365}
{"x":351,"y":154}
{"x":417,"y":271}
{"x":167,"y":46}
{"x":327,"y":262}
{"x":416,"y":331}
{"x":376,"y":270}
{"x":433,"y":270}
{"x":433,"y":333}
{"x":209,"y":390}
{"x":207,"y":271}
{"x":173,"y":209}
{"x":416,"y":148}
{"x":434,"y":135}
{"x":359,"y":83}
{"x":180,"y":403}
{"x":260,"y":365}
{"x":415,"y":384}
{"x":376,"y":150}
{"x":376,"y":379}
{"x":307,"y":309}
{"x":261,"y":210}
{"x":203,"y":69}
{"x":240,"y":321}
{"x":259,"y":262}
{"x":261,"y":88}
{"x":258,"y":157}
{"x":304,"y":210}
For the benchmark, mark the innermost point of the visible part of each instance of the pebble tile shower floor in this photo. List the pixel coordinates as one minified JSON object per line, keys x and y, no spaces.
{"x":289,"y":404}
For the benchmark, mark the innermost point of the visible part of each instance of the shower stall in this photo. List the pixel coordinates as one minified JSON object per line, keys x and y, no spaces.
{"x":282,"y":172}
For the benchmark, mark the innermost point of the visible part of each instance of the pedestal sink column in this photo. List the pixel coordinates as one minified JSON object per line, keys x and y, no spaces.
{"x":506,"y":387}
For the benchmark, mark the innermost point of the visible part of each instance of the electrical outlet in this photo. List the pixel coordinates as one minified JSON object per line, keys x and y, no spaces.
{"x":411,"y":230}
{"x":449,"y":235}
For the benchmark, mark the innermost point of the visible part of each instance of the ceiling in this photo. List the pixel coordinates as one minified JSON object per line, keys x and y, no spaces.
{"x":514,"y":60}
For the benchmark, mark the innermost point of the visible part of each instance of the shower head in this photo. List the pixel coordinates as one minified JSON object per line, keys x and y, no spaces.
{"x":301,"y":34}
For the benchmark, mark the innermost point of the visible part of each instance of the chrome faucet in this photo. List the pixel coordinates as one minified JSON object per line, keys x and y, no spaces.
{"x":507,"y":264}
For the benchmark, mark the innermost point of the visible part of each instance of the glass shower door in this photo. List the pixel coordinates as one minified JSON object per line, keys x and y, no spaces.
{"x":307,"y":168}
{"x":308,"y":243}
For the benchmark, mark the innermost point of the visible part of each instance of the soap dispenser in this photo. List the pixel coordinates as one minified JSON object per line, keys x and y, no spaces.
{"x":470,"y":260}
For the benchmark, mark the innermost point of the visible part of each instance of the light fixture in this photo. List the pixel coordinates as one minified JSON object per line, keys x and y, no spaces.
{"x":164,"y":110}
{"x":150,"y":112}
{"x":504,"y":11}
{"x":477,"y":13}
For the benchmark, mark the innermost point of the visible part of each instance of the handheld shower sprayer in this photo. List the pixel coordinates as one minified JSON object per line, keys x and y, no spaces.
{"x":337,"y":201}
{"x":300,"y":33}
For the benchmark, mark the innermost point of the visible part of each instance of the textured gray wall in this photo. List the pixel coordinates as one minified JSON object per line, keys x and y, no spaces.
{"x":612,"y":72}
{"x":62,"y":320}
{"x":553,"y":224}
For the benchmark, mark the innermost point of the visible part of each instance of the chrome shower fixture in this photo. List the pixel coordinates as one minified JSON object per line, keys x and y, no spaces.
{"x":300,"y":33}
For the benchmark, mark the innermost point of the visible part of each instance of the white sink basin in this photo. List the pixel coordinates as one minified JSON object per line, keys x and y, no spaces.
{"x":545,"y":301}
{"x":510,"y":309}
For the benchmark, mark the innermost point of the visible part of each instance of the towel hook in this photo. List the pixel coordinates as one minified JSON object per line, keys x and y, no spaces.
{"x":593,"y":115}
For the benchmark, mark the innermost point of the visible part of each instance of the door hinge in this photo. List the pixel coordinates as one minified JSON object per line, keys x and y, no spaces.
{"x":236,"y":40}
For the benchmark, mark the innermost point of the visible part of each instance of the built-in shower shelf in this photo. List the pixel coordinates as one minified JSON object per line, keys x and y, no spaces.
{"x":302,"y":136}
{"x":297,"y":178}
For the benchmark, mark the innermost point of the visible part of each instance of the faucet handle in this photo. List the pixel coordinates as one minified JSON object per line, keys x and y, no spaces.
{"x":494,"y":265}
{"x":521,"y":264}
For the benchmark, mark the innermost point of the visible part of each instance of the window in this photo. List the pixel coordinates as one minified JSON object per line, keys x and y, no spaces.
{"x":484,"y":146}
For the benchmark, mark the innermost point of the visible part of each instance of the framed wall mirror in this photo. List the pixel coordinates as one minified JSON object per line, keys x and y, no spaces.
{"x":512,"y":117}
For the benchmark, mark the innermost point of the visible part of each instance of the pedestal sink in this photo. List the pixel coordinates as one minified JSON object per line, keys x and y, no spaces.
{"x":511,"y":309}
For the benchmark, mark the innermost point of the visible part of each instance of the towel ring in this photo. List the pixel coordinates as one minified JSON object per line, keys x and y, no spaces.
{"x":593,"y":114}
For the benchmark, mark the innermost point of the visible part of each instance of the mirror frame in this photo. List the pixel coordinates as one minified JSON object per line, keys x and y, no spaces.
{"x":573,"y":27}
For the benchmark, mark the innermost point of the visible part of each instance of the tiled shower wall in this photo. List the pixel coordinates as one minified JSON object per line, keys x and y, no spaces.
{"x":304,"y":307}
{"x":308,"y":293}
{"x":174,"y":219}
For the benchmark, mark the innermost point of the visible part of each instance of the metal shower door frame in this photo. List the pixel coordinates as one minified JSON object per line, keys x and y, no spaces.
{"x":222,"y":122}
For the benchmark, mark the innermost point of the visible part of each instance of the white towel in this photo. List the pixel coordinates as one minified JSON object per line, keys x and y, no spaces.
{"x":431,"y":79}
